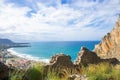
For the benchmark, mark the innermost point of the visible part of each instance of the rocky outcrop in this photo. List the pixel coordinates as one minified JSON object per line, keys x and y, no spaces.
{"x":109,"y":47}
{"x":61,"y":60}
{"x":59,"y":63}
{"x":86,"y":56}
{"x":113,"y":61}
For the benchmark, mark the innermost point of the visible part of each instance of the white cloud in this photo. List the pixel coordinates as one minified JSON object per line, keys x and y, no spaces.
{"x":80,"y":20}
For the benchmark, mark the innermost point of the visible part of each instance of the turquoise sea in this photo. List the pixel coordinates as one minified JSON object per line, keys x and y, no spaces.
{"x":44,"y":50}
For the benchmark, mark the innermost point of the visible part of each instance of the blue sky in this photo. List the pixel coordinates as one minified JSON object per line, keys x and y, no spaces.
{"x":57,"y":20}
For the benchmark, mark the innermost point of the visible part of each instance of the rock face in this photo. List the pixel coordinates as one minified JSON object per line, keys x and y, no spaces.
{"x":109,"y":47}
{"x":113,"y":61}
{"x":61,"y":60}
{"x":87,"y":56}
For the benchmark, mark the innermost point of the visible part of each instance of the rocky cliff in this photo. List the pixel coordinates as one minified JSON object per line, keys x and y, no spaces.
{"x":109,"y":47}
{"x":85,"y":56}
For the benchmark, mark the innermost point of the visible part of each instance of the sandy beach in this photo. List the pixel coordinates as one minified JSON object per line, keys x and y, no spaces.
{"x":17,"y":60}
{"x":26,"y":56}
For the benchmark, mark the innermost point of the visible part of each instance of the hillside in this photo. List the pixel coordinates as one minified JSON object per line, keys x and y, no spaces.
{"x":6,"y":41}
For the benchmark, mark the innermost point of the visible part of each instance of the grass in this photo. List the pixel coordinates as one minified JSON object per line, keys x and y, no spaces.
{"x":35,"y":72}
{"x":52,"y":75}
{"x":17,"y":74}
{"x":102,"y":71}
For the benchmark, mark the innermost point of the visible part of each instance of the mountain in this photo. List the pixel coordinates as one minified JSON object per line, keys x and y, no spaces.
{"x":6,"y":41}
{"x":109,"y":47}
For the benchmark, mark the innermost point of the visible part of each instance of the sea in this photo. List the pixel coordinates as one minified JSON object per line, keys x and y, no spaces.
{"x":43,"y":51}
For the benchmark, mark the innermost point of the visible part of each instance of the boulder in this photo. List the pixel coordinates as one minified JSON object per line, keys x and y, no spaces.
{"x":61,"y":60}
{"x":59,"y":63}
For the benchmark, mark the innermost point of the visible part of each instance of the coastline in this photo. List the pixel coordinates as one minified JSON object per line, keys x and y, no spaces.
{"x":26,"y":56}
{"x":20,"y":61}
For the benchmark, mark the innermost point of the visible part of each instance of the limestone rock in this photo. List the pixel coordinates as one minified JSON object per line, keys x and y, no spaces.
{"x":87,"y":56}
{"x":109,"y":47}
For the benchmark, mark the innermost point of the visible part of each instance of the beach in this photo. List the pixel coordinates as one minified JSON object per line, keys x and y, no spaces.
{"x":17,"y":60}
{"x":26,"y":56}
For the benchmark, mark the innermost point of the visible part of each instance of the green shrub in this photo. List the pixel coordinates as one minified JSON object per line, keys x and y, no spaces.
{"x":35,"y":72}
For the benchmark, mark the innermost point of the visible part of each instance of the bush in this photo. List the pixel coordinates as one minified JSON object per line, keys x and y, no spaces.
{"x":35,"y":72}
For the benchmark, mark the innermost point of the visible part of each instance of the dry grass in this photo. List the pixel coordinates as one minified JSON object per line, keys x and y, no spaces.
{"x":102,"y":71}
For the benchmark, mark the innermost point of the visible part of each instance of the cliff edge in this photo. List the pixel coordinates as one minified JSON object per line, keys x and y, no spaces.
{"x":109,"y":47}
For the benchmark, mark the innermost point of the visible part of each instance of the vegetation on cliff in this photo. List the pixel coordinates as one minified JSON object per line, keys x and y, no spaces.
{"x":101,"y":71}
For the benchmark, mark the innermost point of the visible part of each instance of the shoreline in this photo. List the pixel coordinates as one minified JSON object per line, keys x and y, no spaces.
{"x":17,"y":60}
{"x":26,"y":56}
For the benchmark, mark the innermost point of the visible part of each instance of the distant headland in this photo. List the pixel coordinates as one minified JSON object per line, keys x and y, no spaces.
{"x":7,"y":43}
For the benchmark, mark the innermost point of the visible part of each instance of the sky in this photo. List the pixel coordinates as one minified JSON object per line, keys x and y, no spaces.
{"x":57,"y":20}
